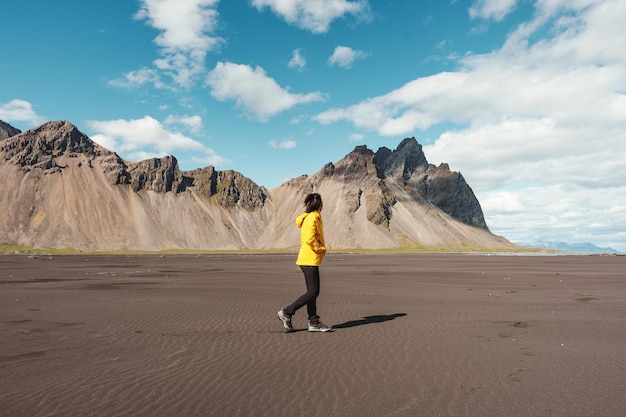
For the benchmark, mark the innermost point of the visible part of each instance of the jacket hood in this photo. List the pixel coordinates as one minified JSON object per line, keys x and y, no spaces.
{"x":300,"y":218}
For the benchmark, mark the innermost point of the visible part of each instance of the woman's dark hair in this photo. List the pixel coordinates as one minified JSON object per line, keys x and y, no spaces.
{"x":312,"y":202}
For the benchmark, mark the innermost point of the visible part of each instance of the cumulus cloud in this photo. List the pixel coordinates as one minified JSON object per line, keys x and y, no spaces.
{"x":539,"y":122}
{"x":559,"y":212}
{"x":315,"y":16}
{"x":253,"y":90}
{"x":492,"y":9}
{"x":297,"y":60}
{"x":138,"y":139}
{"x":185,"y":37}
{"x":18,"y":110}
{"x":344,"y":56}
{"x":284,"y":144}
{"x":138,"y":78}
{"x":193,"y":123}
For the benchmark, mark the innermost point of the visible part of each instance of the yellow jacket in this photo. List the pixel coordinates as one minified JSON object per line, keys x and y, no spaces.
{"x":312,"y":246}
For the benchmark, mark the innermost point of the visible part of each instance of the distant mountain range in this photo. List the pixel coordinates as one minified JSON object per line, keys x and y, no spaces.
{"x":60,"y":189}
{"x":585,"y":247}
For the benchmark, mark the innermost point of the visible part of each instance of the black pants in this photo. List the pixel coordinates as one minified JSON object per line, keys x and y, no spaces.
{"x":312,"y":280}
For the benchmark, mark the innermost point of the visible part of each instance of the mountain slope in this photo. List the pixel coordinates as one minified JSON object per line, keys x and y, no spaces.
{"x":6,"y":130}
{"x":361,"y":209}
{"x":61,"y":189}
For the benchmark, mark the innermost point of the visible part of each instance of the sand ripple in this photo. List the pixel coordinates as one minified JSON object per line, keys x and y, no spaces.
{"x":427,"y":335}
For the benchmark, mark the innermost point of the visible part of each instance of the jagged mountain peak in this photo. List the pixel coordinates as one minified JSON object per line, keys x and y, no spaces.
{"x":6,"y":130}
{"x":407,"y":167}
{"x":64,"y":190}
{"x":63,"y":136}
{"x":410,"y":143}
{"x":48,"y":141}
{"x":403,"y":162}
{"x":157,"y":174}
{"x":379,"y":179}
{"x":354,"y":166}
{"x":57,"y":145}
{"x":52,"y":144}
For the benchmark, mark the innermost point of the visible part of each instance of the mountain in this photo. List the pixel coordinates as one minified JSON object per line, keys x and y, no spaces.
{"x":584,"y":247}
{"x":6,"y":130}
{"x":61,"y":189}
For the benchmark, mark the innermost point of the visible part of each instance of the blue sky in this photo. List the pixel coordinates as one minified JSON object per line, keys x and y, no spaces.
{"x":526,"y":98}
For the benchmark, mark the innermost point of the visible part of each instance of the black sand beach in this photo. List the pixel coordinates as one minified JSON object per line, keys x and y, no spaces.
{"x":414,"y":335}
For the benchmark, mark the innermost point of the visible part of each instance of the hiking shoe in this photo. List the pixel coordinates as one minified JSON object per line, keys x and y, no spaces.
{"x":319,"y":327}
{"x":286,"y":319}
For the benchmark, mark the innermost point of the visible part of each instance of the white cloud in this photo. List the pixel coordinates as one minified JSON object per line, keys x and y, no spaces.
{"x":193,"y":123}
{"x":540,"y":122}
{"x":536,"y":152}
{"x":184,"y":24}
{"x":138,"y":139}
{"x":138,"y":78}
{"x":558,"y":213}
{"x":297,"y":60}
{"x":492,"y":9}
{"x":253,"y":90}
{"x":315,"y":16}
{"x":186,"y":36}
{"x":18,"y":110}
{"x":344,"y":56}
{"x":208,"y":158}
{"x":284,"y":144}
{"x":356,"y":137}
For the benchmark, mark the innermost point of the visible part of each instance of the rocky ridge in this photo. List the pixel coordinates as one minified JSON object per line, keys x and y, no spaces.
{"x":406,"y":166}
{"x":64,"y":190}
{"x":44,"y":147}
{"x":6,"y":130}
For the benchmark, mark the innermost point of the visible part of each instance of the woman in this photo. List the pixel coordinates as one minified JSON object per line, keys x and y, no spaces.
{"x":312,"y":251}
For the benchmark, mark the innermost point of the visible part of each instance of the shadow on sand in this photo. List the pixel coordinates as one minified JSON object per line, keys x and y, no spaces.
{"x":368,"y":320}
